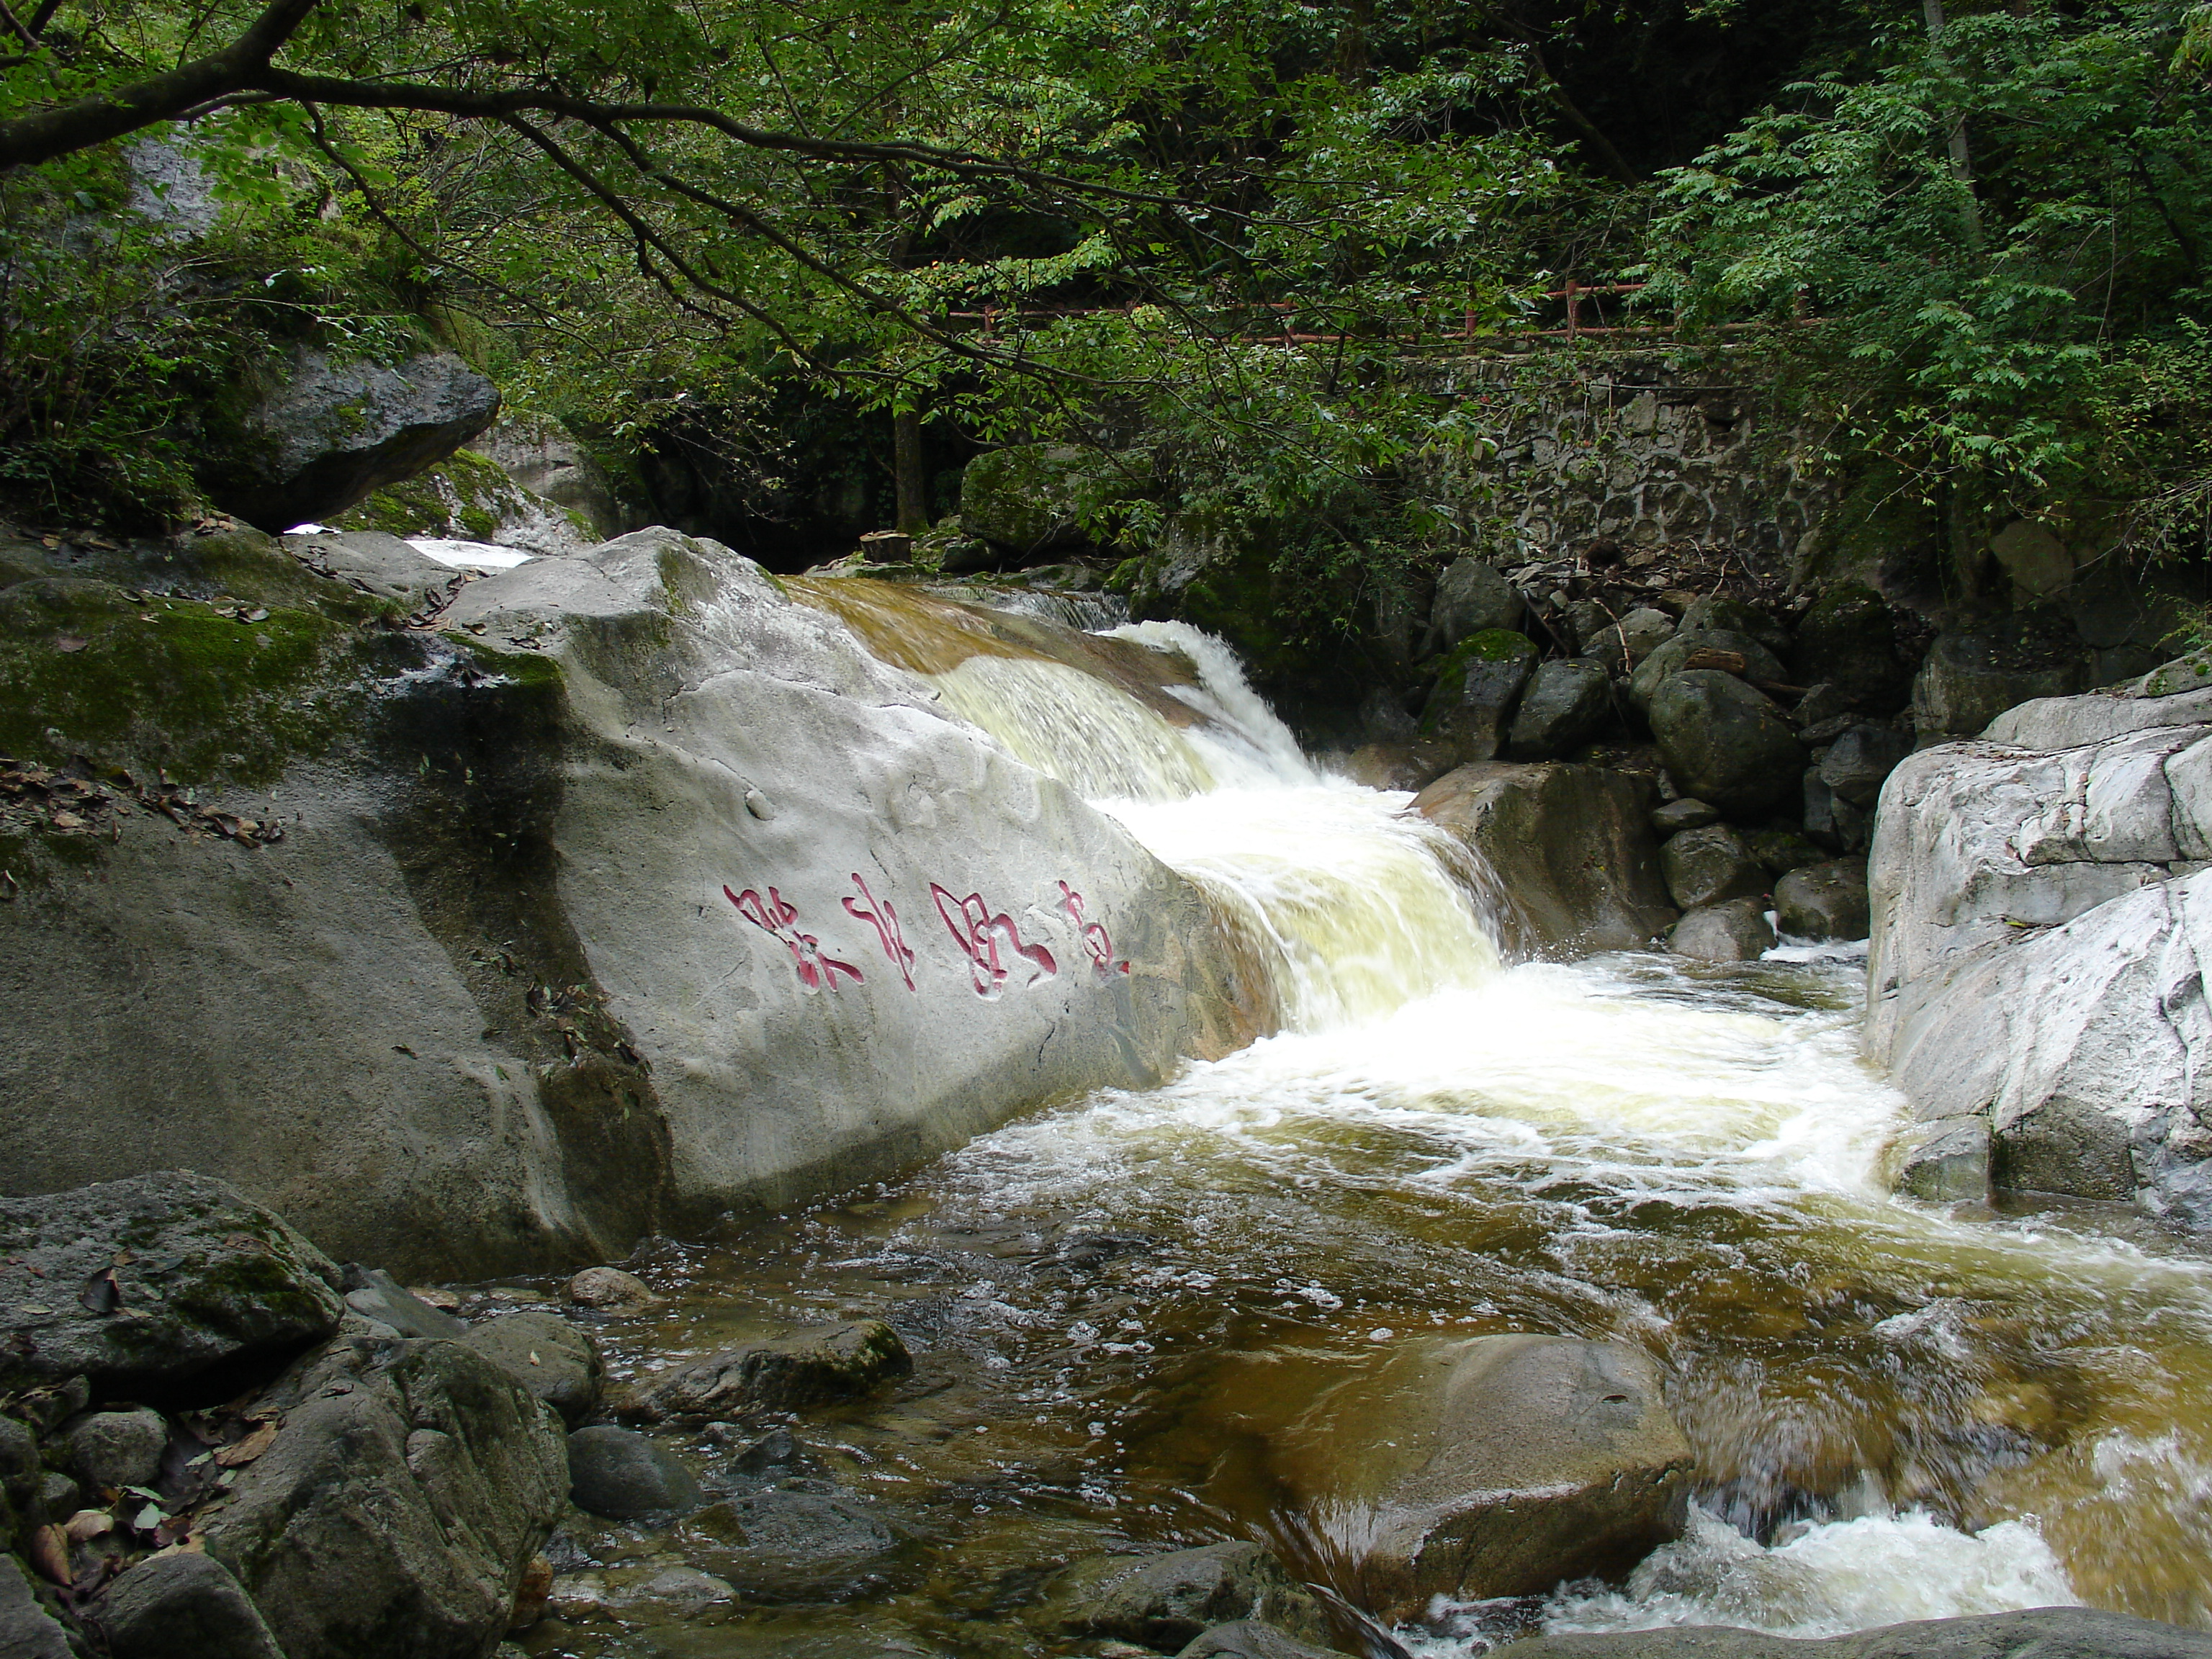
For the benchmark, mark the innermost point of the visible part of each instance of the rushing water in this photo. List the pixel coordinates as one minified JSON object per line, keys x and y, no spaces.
{"x":1898,"y":1411}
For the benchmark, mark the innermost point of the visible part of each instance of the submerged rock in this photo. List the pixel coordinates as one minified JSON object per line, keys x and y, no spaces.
{"x":1571,"y":847}
{"x":1166,"y":1602}
{"x":835,"y":1362}
{"x":1488,"y":1465}
{"x":2046,"y":1632}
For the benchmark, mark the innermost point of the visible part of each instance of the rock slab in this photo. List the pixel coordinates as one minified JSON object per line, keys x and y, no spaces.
{"x":807,"y":1368}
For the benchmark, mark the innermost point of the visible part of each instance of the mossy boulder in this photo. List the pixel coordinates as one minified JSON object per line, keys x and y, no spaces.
{"x":1027,"y":501}
{"x":1479,"y":684}
{"x":471,"y":497}
{"x":1847,"y":639}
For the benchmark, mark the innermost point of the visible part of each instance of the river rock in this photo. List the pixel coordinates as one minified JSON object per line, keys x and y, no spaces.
{"x":28,"y":1630}
{"x":408,"y":1488}
{"x":19,"y":1450}
{"x":1968,"y":679}
{"x":1847,"y":639}
{"x":156,"y":1278}
{"x":1480,"y":1466}
{"x":558,"y":1022}
{"x":375,"y":1295}
{"x":2049,"y":724}
{"x":117,"y":1449}
{"x":1716,"y":613}
{"x":1724,"y":743}
{"x":798,"y":1544}
{"x":1781,"y":850}
{"x":1859,"y":761}
{"x":1402,"y":766}
{"x":623,"y":1474}
{"x":2046,"y":1632}
{"x":611,"y":1290}
{"x":1471,"y":597}
{"x":557,"y":1362}
{"x":1249,"y":1638}
{"x":1682,"y":813}
{"x":1736,"y":930}
{"x":1683,"y":650}
{"x":1623,"y":646}
{"x":807,"y":1368}
{"x":178,"y":1603}
{"x":469,"y":497}
{"x":1704,"y":866}
{"x":1478,"y":686}
{"x":1946,"y":1161}
{"x":1166,"y":1602}
{"x":542,"y":457}
{"x":328,"y":433}
{"x":1572,"y":847}
{"x":1565,"y":706}
{"x":1025,"y":499}
{"x":1824,"y":901}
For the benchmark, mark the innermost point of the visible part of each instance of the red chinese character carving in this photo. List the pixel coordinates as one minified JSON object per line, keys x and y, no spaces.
{"x":880,"y":914}
{"x":1097,"y":944}
{"x":980,"y":933}
{"x":773,"y":916}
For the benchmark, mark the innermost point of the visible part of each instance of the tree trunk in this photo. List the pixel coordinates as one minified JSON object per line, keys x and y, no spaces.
{"x":1962,"y":160}
{"x":908,"y":471}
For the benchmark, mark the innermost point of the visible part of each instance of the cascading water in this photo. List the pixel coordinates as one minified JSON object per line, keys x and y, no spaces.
{"x":1898,"y":1413}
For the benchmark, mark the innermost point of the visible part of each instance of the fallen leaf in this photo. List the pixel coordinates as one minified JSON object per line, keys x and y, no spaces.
{"x":67,"y":821}
{"x":48,"y":1549}
{"x":148,"y":1518}
{"x":68,"y":642}
{"x":246,"y":1451}
{"x":99,"y":1295}
{"x":88,"y":1524}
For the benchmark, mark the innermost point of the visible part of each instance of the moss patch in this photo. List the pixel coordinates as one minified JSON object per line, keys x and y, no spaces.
{"x":466,"y":496}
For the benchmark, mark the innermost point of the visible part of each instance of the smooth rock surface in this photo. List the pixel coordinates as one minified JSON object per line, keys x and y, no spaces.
{"x":28,"y":1630}
{"x":1735,"y":930}
{"x":1945,"y":1161}
{"x":1571,"y":847}
{"x":823,"y":1363}
{"x":2043,"y":1632}
{"x":1967,"y":680}
{"x":611,"y":1289}
{"x":207,"y":1277}
{"x":1488,"y":1465}
{"x":559,"y":1364}
{"x":1704,"y":866}
{"x":180,"y":1604}
{"x":1674,"y":658}
{"x":1684,"y":812}
{"x":1857,"y":761}
{"x":1166,"y":1602}
{"x":1471,"y":597}
{"x":1725,"y":743}
{"x":408,"y":1487}
{"x":1564,"y":705}
{"x":375,"y":1295}
{"x":1477,"y":687}
{"x":1623,"y":646}
{"x":1249,"y":1638}
{"x":544,"y":458}
{"x":117,"y":1449}
{"x":1823,"y":902}
{"x":623,"y":1474}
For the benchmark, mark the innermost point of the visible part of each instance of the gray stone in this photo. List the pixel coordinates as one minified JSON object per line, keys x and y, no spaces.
{"x":329,"y":433}
{"x":1407,"y":766}
{"x":1675,"y":656}
{"x":409,"y":1484}
{"x":557,"y":1361}
{"x":1781,"y":850}
{"x":1683,"y":813}
{"x":1026,"y":500}
{"x":2037,"y":561}
{"x":1570,"y":847}
{"x":1166,"y":1602}
{"x":171,"y":188}
{"x":806,"y":1368}
{"x":374,"y":1294}
{"x":1565,"y":706}
{"x":1946,"y":1161}
{"x":159,"y":1276}
{"x":1724,"y":743}
{"x":544,"y":458}
{"x":1861,"y":759}
{"x":1847,"y":639}
{"x":1821,"y":706}
{"x":1472,"y":598}
{"x":796,"y":1545}
{"x":2046,"y":1632}
{"x":1623,"y":647}
{"x":685,"y":1592}
{"x":469,"y":497}
{"x":2050,"y":724}
{"x":59,"y":1494}
{"x":28,"y":1630}
{"x":1478,"y":686}
{"x":1736,"y":931}
{"x":117,"y":1449}
{"x":1490,"y":1466}
{"x":1250,"y":1640}
{"x":1823,"y":902}
{"x":371,"y":562}
{"x":1969,"y":679}
{"x":623,"y":1474}
{"x":1704,"y":866}
{"x":1717,"y":614}
{"x":2062,"y":1145}
{"x":610,"y":1288}
{"x":182,"y":1603}
{"x":18,"y":1448}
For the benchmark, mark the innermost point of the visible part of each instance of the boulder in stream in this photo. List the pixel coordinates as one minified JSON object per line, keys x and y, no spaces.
{"x":1824,"y":901}
{"x":559,"y":1364}
{"x":1489,"y":1466}
{"x":1704,"y":866}
{"x":1249,"y":1638}
{"x":1724,"y":742}
{"x":623,"y":1474}
{"x":1733,"y":930}
{"x":1165,"y":1601}
{"x":806,"y":1368}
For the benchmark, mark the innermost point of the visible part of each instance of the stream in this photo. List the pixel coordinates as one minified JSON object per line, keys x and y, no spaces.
{"x":1898,"y":1411}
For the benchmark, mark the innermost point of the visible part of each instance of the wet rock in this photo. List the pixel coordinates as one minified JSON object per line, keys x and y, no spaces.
{"x":1166,"y":1602}
{"x":1781,"y":850}
{"x":1571,"y":846}
{"x":182,"y":1603}
{"x":1565,"y":706}
{"x":795,"y":1544}
{"x":1250,"y":1639}
{"x":1968,"y":679}
{"x":28,"y":1630}
{"x":557,"y":1362}
{"x":1847,"y":639}
{"x":375,"y":1295}
{"x":2047,"y":1632}
{"x":1736,"y":931}
{"x":329,"y":433}
{"x":1944,"y":1161}
{"x":117,"y":1449}
{"x":1821,"y":707}
{"x":59,"y":1494}
{"x":2065,"y":1145}
{"x":1684,"y":813}
{"x":1859,"y":761}
{"x":1823,"y":902}
{"x":1624,"y":646}
{"x":1490,"y":1466}
{"x":531,"y":1594}
{"x":623,"y":1474}
{"x":1718,"y":614}
{"x":1472,"y":598}
{"x":409,"y":1486}
{"x":610,"y":1288}
{"x":1478,"y":685}
{"x":159,"y":1277}
{"x":1715,"y":653}
{"x":1724,"y":743}
{"x":372,"y":562}
{"x":1407,"y":766}
{"x":683,"y":1592}
{"x":1704,"y":866}
{"x":823,"y":1363}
